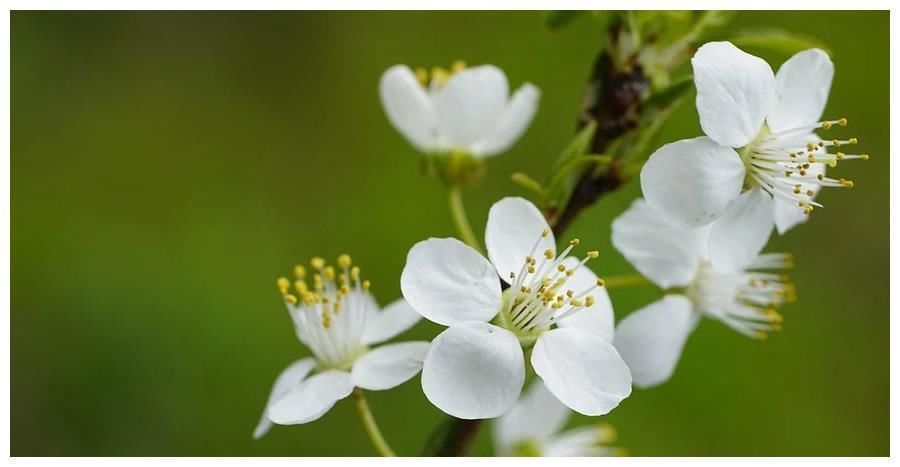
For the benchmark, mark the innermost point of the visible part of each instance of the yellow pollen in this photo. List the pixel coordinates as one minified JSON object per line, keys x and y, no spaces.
{"x":593,"y":254}
{"x":422,"y":76}
{"x":575,"y":302}
{"x":826,"y":125}
{"x":329,"y":273}
{"x":842,"y":122}
{"x":810,"y":147}
{"x":531,"y":269}
{"x":439,"y":75}
{"x":570,"y":272}
{"x":301,"y":287}
{"x":317,"y":263}
{"x":840,"y":155}
{"x":283,"y":285}
{"x":354,"y":273}
{"x":600,"y":282}
{"x":575,"y":242}
{"x":853,"y":141}
{"x":570,"y":293}
{"x":560,"y":268}
{"x":864,"y":157}
{"x":548,"y":253}
{"x":761,"y":335}
{"x":458,"y":66}
{"x":290,"y":299}
{"x":345,"y":289}
{"x":344,"y":261}
{"x":545,"y":233}
{"x":366,"y":285}
{"x":820,"y":177}
{"x":299,"y":271}
{"x":589,"y":300}
{"x":810,"y":193}
{"x":326,"y":321}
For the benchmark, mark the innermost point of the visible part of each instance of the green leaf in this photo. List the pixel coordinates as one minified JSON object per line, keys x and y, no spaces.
{"x":556,"y":20}
{"x":776,"y":40}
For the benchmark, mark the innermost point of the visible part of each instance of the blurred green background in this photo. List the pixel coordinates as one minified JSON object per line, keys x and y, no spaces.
{"x":167,"y":167}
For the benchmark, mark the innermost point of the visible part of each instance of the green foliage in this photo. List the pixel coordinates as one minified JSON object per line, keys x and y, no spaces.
{"x":775,"y":40}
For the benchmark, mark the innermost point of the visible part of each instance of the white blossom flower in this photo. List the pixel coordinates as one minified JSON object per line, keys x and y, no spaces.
{"x":476,"y":368}
{"x":468,"y":111}
{"x":531,"y":428}
{"x":759,"y":130}
{"x":338,"y":320}
{"x":714,"y":271}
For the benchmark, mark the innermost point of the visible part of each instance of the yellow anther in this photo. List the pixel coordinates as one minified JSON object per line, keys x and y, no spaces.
{"x":826,"y":125}
{"x":299,"y":271}
{"x":545,"y":233}
{"x":354,"y":273}
{"x":439,"y":75}
{"x":326,"y":321}
{"x":575,"y":242}
{"x":548,"y":253}
{"x":512,"y":276}
{"x":797,"y":189}
{"x":846,"y":183}
{"x":317,"y":263}
{"x":301,"y":287}
{"x":366,"y":285}
{"x":290,"y":299}
{"x":531,"y":269}
{"x":820,"y":177}
{"x":337,"y":307}
{"x":318,"y":285}
{"x":458,"y":66}
{"x":570,"y":272}
{"x":329,"y":273}
{"x":593,"y":254}
{"x":570,"y":293}
{"x":283,"y":285}
{"x":842,"y":122}
{"x":589,"y":300}
{"x":810,"y":147}
{"x":529,"y":260}
{"x":853,"y":141}
{"x":422,"y":76}
{"x":811,"y":158}
{"x":835,"y":142}
{"x":788,"y":173}
{"x":761,"y":335}
{"x":864,"y":157}
{"x":560,"y":268}
{"x":575,"y":302}
{"x":840,"y":155}
{"x":810,"y":193}
{"x":344,"y":261}
{"x":344,"y":289}
{"x":600,"y":282}
{"x":807,"y":209}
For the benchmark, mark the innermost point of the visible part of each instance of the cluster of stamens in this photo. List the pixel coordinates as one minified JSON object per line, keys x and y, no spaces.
{"x":329,"y":311}
{"x":538,"y":298}
{"x":781,"y":162}
{"x":438,"y":76}
{"x":746,"y":301}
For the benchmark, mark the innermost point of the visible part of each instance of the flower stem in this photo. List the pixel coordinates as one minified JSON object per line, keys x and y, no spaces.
{"x":625,"y":280}
{"x":458,"y":212}
{"x":368,"y":420}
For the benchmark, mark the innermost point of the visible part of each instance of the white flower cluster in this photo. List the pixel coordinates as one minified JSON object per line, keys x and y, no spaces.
{"x":710,"y":206}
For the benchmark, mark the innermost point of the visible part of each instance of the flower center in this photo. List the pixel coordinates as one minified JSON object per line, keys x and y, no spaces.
{"x":438,"y":75}
{"x":790,"y":164}
{"x":330,"y":316}
{"x":746,"y":300}
{"x":538,"y":296}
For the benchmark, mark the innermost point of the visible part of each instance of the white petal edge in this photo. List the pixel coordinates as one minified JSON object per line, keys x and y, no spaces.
{"x":513,"y":231}
{"x":408,"y":107}
{"x":470,"y":104}
{"x":290,"y":377}
{"x":389,"y":365}
{"x":668,"y":254}
{"x":652,"y":338}
{"x":691,"y":182}
{"x":448,"y":282}
{"x":802,"y":85}
{"x":512,"y":124}
{"x":586,"y":441}
{"x":311,"y":399}
{"x":583,"y":371}
{"x":474,"y":370}
{"x":735,"y":92}
{"x":536,"y":416}
{"x":598,"y":319}
{"x":742,"y":232}
{"x":395,"y":318}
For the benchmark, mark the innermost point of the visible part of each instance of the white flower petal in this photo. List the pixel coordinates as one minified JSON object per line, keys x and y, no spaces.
{"x":665,"y":253}
{"x":586,"y":441}
{"x":691,"y":182}
{"x":389,"y":365}
{"x":474,"y":370}
{"x":788,"y":215}
{"x":735,"y":92}
{"x":598,"y":319}
{"x":513,"y":228}
{"x":288,"y":379}
{"x":536,"y":416}
{"x":802,"y":85}
{"x":651,"y":339}
{"x":408,"y":107}
{"x":448,"y":282}
{"x":742,"y":232}
{"x":389,"y":322}
{"x":312,"y":398}
{"x":583,"y":371}
{"x":470,"y":104}
{"x":513,"y":122}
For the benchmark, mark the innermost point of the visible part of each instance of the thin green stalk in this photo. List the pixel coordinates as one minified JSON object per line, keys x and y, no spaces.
{"x":458,"y":212}
{"x":368,"y":420}
{"x":625,"y":280}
